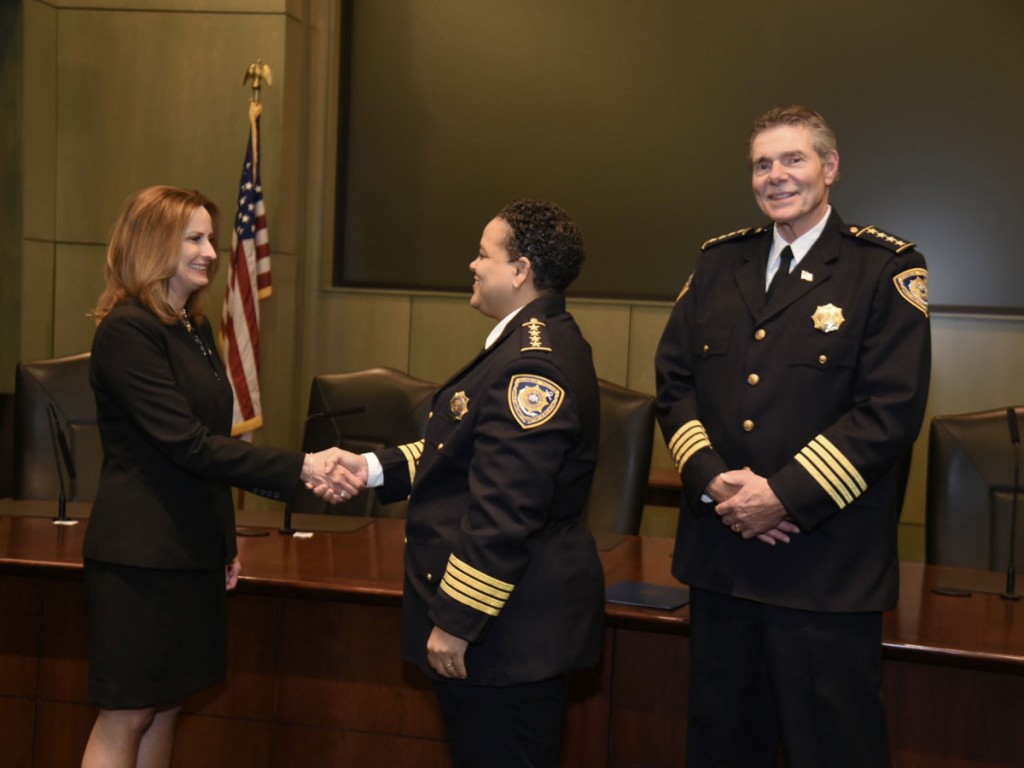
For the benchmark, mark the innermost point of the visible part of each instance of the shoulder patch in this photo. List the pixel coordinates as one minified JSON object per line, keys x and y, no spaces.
{"x":535,"y":336}
{"x":533,"y":400}
{"x":739,"y":234}
{"x":884,"y":239}
{"x":913,"y":286}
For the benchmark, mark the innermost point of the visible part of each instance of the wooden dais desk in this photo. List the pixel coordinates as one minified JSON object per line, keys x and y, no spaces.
{"x":315,"y":676}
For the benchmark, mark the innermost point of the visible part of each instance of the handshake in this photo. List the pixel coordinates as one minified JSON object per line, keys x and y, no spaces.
{"x":334,"y":475}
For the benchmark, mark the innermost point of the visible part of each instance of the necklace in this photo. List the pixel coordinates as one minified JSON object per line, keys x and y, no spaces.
{"x":199,"y":342}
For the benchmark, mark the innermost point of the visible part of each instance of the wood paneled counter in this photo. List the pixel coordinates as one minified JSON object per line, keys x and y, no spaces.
{"x":315,"y":676}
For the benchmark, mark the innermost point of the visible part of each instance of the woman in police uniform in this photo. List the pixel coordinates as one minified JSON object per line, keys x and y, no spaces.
{"x":504,"y":592}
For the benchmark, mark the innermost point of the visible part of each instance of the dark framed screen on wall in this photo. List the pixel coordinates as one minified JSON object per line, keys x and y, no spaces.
{"x":635,"y":118}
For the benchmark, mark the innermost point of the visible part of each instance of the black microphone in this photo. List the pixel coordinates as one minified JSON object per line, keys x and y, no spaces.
{"x":1011,"y":573}
{"x":61,"y":449}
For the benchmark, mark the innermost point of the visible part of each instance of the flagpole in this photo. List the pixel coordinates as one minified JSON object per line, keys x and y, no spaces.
{"x":256,"y":74}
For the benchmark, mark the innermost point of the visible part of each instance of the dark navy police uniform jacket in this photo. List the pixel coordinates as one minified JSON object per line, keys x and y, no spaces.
{"x":497,"y":550}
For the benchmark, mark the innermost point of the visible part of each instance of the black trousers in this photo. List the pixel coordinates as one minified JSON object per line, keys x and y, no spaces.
{"x":760,"y":671}
{"x":515,"y":726}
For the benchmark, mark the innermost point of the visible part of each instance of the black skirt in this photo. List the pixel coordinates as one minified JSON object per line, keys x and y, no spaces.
{"x":155,"y":636}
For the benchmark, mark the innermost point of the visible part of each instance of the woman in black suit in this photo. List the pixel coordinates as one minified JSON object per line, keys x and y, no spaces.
{"x":160,"y":547}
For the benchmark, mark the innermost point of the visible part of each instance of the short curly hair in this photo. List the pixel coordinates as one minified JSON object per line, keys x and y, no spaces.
{"x":544,"y":233}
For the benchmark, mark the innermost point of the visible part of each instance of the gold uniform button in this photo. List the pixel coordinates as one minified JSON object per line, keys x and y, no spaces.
{"x":440,"y":446}
{"x":748,"y":425}
{"x":753,"y":379}
{"x":760,"y":333}
{"x":822,"y":359}
{"x":430,"y":415}
{"x":430,"y":577}
{"x":707,"y":348}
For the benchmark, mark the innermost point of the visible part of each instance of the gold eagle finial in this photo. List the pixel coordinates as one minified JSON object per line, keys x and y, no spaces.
{"x":259,"y":73}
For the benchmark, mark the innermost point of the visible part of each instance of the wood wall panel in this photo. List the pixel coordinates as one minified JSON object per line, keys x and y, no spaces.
{"x":298,"y":747}
{"x":649,"y":690}
{"x":63,"y":665}
{"x":937,"y":716}
{"x":20,"y":612}
{"x":216,"y":742}
{"x":341,"y":666}
{"x":589,"y":714}
{"x":254,"y":629}
{"x":62,"y":731}
{"x":18,"y":715}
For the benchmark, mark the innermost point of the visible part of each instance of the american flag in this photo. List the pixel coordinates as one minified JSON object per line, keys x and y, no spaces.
{"x":248,"y":282}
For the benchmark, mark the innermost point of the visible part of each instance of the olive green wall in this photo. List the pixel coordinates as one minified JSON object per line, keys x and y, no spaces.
{"x":121,"y":94}
{"x":11,"y":73}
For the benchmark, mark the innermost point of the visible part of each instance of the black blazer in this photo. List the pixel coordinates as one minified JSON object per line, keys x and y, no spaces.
{"x":820,"y":391}
{"x":164,"y":414}
{"x":497,"y":550}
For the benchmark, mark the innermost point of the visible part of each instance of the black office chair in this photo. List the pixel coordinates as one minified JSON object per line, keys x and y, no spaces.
{"x":62,"y":383}
{"x":970,"y":491}
{"x":616,"y":503}
{"x":363,"y":411}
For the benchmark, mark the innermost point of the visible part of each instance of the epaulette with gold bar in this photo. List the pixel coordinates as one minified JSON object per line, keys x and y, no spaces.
{"x":739,"y":234}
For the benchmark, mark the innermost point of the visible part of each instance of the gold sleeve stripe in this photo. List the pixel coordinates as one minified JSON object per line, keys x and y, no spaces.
{"x":821,"y":480}
{"x":472,"y":574}
{"x":455,"y":587}
{"x":688,"y":439}
{"x":474,"y":588}
{"x":832,"y":470}
{"x":859,"y":484}
{"x":412,"y":453}
{"x":486,"y":593}
{"x":467,"y":600}
{"x":826,"y":478}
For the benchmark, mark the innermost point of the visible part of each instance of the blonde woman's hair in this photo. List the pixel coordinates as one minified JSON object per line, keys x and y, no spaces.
{"x":145,"y":249}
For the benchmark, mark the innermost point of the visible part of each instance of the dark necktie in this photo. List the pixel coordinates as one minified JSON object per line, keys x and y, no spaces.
{"x":783,"y":272}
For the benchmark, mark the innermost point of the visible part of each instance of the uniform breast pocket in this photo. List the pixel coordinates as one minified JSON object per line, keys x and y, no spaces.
{"x":823,"y":352}
{"x":711,"y":341}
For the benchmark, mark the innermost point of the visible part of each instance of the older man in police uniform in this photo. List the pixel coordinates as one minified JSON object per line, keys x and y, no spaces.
{"x":504,"y":591}
{"x":792,"y":375}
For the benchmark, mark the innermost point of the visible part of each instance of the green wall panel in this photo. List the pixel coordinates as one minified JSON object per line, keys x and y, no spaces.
{"x":356,"y":331}
{"x":446,"y":334}
{"x":78,"y":283}
{"x":606,"y":327}
{"x":37,"y":311}
{"x":157,"y":98}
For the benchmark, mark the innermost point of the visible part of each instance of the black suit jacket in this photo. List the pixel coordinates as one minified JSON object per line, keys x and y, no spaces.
{"x":820,"y":391}
{"x":498,"y":552}
{"x":164,"y":415}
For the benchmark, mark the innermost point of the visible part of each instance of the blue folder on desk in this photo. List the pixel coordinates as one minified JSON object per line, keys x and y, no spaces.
{"x":646,"y":595}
